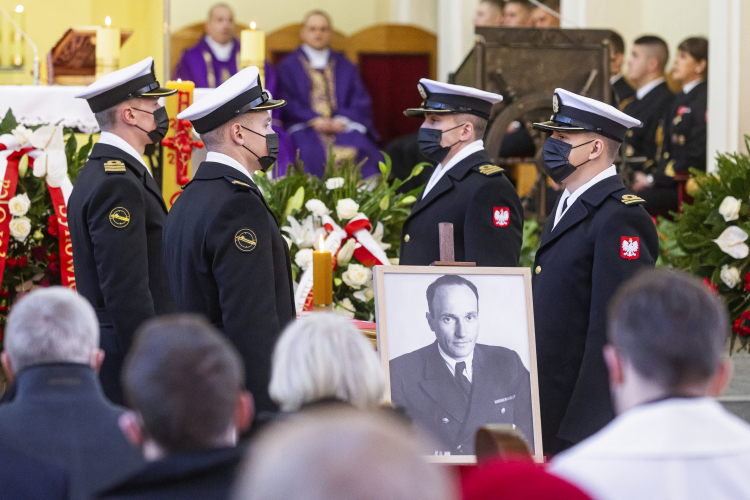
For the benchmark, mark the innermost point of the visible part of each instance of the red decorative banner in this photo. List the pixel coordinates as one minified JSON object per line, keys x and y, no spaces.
{"x":66,"y":247}
{"x":8,"y":191}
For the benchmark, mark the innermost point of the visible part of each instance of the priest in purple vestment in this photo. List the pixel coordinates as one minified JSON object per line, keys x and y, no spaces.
{"x":327,"y":103}
{"x":216,"y":57}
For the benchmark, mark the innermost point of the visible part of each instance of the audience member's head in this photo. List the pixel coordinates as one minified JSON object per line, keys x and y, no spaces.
{"x":185,"y":383}
{"x":317,"y":30}
{"x":517,"y":480}
{"x":220,"y":23}
{"x":691,"y":62}
{"x":542,"y":18}
{"x":517,"y":13}
{"x":667,"y":335}
{"x":489,"y":13}
{"x":616,"y":54}
{"x":323,"y":357}
{"x":344,"y":454}
{"x":647,"y":60}
{"x":51,"y":325}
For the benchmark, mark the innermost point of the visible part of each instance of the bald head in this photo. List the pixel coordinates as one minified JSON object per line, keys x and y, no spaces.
{"x":316,"y":30}
{"x":220,"y":24}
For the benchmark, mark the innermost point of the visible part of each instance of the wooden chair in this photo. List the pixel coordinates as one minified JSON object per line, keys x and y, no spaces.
{"x":501,"y":440}
{"x":284,"y":40}
{"x":391,"y":59}
{"x":188,"y":36}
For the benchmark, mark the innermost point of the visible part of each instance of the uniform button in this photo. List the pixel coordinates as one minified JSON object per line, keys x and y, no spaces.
{"x":538,"y":269}
{"x":445,"y":420}
{"x":459,"y":447}
{"x":502,"y":411}
{"x":406,"y":238}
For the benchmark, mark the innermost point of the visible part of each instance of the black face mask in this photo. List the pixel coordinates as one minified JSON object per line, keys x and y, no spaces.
{"x":429,"y":143}
{"x":556,"y":162}
{"x":162,"y":124}
{"x":272,"y":142}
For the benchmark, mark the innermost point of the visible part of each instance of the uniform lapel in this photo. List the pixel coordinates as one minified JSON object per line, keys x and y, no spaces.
{"x":441,"y":387}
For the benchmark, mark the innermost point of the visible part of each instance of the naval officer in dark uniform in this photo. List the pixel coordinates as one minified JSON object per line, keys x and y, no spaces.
{"x":597,"y":237}
{"x":116,"y":213}
{"x":225,"y":255}
{"x":465,"y":189}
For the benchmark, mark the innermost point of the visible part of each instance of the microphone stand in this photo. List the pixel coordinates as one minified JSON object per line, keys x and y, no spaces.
{"x":35,"y":68}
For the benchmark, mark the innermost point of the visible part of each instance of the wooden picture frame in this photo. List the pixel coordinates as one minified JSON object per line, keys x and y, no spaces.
{"x":505,"y":307}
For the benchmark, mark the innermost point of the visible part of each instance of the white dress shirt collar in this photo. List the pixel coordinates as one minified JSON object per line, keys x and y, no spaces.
{"x":690,"y":86}
{"x":115,"y":140}
{"x":643,"y":91}
{"x":440,"y":170}
{"x":614,"y":79}
{"x":451,"y":363}
{"x":228,"y":160}
{"x":609,"y":172}
{"x":222,"y":51}
{"x":318,"y":58}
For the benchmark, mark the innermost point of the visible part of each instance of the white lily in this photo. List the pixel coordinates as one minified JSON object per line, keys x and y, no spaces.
{"x":732,"y":242}
{"x":377,"y":235}
{"x":303,"y":235}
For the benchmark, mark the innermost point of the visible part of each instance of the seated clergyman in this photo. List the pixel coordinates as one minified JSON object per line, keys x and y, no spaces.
{"x":454,"y":385}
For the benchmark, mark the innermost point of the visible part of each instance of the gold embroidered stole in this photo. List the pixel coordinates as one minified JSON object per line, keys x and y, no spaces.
{"x":208,"y":58}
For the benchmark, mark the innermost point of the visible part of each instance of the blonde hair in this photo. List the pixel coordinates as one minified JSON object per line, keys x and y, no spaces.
{"x":323,"y":356}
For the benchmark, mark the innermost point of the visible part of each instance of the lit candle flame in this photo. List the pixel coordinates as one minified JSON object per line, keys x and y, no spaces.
{"x":107,"y":20}
{"x":252,"y":25}
{"x":179,"y":80}
{"x":320,"y":245}
{"x":19,"y":8}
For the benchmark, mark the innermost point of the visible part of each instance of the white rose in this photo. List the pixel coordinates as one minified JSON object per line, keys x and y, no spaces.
{"x":22,"y":135}
{"x":334,"y":183}
{"x":346,"y":252}
{"x":54,"y":165}
{"x":19,"y":204}
{"x":20,"y":227}
{"x":730,"y":276}
{"x":730,"y":208}
{"x":346,"y":308}
{"x":346,"y":209}
{"x":356,"y":276}
{"x":317,"y":207}
{"x":304,"y":258}
{"x":731,"y":241}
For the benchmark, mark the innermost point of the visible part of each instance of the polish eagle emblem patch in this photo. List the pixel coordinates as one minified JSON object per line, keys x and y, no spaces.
{"x":501,"y":216}
{"x":630,"y":247}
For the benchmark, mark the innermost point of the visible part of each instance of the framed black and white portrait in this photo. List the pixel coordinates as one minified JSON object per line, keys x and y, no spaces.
{"x":457,"y":344}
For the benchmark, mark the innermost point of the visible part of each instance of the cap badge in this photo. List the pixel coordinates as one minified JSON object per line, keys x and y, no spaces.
{"x":630,"y":247}
{"x":556,"y":103}
{"x":422,"y":91}
{"x":119,"y":217}
{"x":501,"y":216}
{"x":245,"y":240}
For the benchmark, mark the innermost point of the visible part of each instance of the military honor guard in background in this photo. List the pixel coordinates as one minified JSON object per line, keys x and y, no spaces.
{"x":224,"y":253}
{"x":116,"y":213}
{"x":621,"y":89}
{"x":465,"y":189}
{"x":597,"y":238}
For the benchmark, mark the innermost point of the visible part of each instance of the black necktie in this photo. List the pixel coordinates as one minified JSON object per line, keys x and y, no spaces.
{"x":565,"y":204}
{"x":461,"y":378}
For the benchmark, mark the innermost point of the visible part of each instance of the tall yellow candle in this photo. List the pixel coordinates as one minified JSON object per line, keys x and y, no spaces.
{"x":6,"y":37}
{"x":177,"y":143}
{"x":18,"y":46}
{"x":322,"y":278}
{"x":253,"y":50}
{"x":107,"y":49}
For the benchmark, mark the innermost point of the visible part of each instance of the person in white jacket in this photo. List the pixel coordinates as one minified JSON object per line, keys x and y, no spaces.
{"x":671,"y":438}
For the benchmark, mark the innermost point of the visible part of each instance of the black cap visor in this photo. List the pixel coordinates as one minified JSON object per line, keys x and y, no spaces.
{"x":552,"y":126}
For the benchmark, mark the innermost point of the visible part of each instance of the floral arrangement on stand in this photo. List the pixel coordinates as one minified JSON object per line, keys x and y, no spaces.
{"x":709,"y":239}
{"x":38,"y":166}
{"x":358,"y":221}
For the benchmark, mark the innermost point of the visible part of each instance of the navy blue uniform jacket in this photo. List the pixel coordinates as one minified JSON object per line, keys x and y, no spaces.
{"x":422,"y":384}
{"x":116,"y":213}
{"x":579,"y":266}
{"x":228,"y":261}
{"x":485,"y":211}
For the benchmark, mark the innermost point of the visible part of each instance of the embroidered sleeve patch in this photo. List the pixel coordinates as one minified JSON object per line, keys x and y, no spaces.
{"x":630,"y":247}
{"x":245,"y":240}
{"x":501,"y":216}
{"x":119,"y":217}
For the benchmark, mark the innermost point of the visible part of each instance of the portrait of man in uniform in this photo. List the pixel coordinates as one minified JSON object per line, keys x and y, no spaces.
{"x":467,"y":363}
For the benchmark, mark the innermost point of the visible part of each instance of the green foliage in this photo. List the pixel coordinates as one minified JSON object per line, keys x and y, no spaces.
{"x":532,"y":238}
{"x":687,"y":243}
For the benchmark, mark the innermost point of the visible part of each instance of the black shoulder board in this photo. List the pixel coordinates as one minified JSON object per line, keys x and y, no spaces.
{"x":489,"y":169}
{"x":242,"y":186}
{"x":114,"y":167}
{"x":628,"y":198}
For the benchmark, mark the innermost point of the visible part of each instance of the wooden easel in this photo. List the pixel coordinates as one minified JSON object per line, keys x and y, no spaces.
{"x":447,"y":250}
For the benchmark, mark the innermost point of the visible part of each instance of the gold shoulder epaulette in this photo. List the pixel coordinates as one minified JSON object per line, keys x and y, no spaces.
{"x":114,"y":167}
{"x":629,"y":199}
{"x":490,"y":169}
{"x":242,"y":186}
{"x":240,"y":183}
